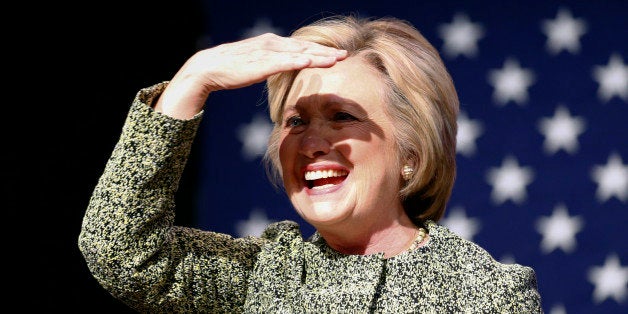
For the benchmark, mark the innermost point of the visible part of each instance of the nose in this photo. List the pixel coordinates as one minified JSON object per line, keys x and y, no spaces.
{"x":314,"y":142}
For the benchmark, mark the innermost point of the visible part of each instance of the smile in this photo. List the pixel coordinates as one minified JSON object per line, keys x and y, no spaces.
{"x":321,"y":179}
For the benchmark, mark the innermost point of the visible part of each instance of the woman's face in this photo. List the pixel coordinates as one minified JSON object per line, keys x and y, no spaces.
{"x":337,"y":151}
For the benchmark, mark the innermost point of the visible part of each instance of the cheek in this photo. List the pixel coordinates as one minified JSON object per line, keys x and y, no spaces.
{"x":284,"y":148}
{"x":379,"y":162}
{"x":376,"y":152}
{"x":287,"y":155}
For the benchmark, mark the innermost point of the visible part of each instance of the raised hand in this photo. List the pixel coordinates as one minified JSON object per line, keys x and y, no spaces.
{"x":239,"y":64}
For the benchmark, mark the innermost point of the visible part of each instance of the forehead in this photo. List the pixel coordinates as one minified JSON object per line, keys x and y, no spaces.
{"x":352,"y":79}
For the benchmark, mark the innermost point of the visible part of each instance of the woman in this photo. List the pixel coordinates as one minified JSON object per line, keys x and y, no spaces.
{"x":364,"y":143}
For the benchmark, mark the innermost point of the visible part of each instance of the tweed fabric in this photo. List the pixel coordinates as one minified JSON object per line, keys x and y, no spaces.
{"x":133,"y":249}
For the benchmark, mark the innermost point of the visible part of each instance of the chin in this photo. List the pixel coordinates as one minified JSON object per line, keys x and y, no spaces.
{"x":324,"y":213}
{"x":322,"y":205}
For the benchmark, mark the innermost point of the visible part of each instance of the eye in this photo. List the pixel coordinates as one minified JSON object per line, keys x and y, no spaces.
{"x":294,"y":121}
{"x":343,"y":116}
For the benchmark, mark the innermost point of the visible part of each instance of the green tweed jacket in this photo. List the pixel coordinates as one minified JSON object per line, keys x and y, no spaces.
{"x":132,"y":248}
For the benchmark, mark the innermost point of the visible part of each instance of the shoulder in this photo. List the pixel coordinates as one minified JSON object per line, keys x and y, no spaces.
{"x":471,"y":268}
{"x":282,"y":247}
{"x":454,"y":249}
{"x":282,"y":236}
{"x":457,"y":253}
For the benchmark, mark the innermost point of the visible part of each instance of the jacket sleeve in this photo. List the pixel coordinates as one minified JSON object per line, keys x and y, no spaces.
{"x":128,"y":239}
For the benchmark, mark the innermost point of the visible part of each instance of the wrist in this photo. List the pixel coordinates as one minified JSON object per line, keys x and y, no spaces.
{"x":181,"y":101}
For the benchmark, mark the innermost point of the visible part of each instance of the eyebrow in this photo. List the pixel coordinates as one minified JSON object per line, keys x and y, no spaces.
{"x":326,"y":100}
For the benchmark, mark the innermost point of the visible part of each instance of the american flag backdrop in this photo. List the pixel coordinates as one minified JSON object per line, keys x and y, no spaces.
{"x":542,"y":143}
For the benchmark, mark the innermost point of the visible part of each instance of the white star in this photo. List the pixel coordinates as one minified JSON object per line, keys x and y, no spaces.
{"x":612,"y":78}
{"x":564,"y":32}
{"x":558,"y":309}
{"x":254,"y":137}
{"x":509,"y":181}
{"x":461,"y":36}
{"x":511,"y":83}
{"x":468,"y":132}
{"x":507,"y":259}
{"x":458,"y":222}
{"x":610,"y":280}
{"x":254,"y":226}
{"x":262,"y":26}
{"x":559,"y":230}
{"x":561,"y":131}
{"x":612,"y":179}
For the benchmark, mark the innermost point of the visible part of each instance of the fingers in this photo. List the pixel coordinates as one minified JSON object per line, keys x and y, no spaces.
{"x":313,"y":55}
{"x":296,"y":61}
{"x":286,"y":54}
{"x":277,"y":43}
{"x":238,"y":64}
{"x":315,"y":61}
{"x":306,"y":47}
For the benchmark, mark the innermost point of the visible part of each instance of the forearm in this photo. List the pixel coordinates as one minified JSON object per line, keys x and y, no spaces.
{"x":128,"y":222}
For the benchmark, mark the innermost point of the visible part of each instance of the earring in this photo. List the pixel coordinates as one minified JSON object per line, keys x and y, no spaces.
{"x":407,"y":172}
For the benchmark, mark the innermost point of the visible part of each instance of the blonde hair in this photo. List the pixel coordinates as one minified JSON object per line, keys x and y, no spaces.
{"x":421,"y":99}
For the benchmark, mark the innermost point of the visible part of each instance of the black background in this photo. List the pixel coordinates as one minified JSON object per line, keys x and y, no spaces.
{"x":74,"y":71}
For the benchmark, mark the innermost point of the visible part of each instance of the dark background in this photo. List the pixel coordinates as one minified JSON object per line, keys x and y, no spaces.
{"x":78,"y":69}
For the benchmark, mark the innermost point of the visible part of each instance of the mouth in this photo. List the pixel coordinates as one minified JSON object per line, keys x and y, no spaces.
{"x":325,"y":178}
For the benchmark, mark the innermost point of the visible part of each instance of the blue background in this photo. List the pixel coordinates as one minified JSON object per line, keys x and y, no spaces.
{"x":232,"y":186}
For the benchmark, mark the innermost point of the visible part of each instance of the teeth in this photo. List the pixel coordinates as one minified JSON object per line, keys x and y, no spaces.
{"x":321,"y":174}
{"x":322,"y":186}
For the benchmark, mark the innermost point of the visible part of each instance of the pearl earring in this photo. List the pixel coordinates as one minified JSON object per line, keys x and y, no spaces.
{"x":407,"y":172}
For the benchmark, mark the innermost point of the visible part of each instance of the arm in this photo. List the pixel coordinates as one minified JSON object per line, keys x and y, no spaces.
{"x":127,"y":237}
{"x":239,"y":64}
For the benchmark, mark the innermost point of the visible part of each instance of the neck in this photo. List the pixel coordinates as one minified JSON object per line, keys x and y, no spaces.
{"x":390,"y":240}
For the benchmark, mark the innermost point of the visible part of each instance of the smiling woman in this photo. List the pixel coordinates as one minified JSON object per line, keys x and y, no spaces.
{"x":340,"y":133}
{"x":364,"y":146}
